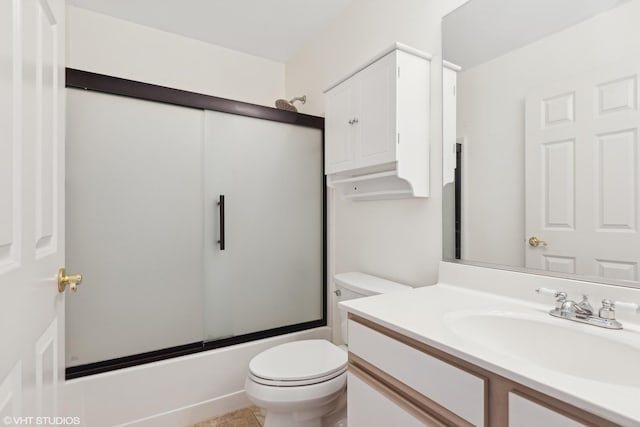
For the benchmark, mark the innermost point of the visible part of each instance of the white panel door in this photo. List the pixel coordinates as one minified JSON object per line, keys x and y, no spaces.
{"x":31,"y":213}
{"x":582,"y":174}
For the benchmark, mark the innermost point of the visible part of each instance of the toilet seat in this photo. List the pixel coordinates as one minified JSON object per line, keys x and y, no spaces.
{"x":295,"y":383}
{"x":298,"y":363}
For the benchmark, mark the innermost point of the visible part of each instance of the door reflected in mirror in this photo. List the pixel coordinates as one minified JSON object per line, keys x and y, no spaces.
{"x":541,"y":101}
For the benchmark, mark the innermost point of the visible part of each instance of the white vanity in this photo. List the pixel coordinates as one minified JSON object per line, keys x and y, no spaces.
{"x":479,"y":348}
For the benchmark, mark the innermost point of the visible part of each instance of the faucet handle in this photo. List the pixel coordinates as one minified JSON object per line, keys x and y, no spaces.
{"x":559,"y":295}
{"x":608,"y":310}
{"x":627,"y":306}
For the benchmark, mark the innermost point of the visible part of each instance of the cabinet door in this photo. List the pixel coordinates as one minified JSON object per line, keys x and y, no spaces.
{"x":339,"y":128}
{"x":368,"y":406}
{"x":525,"y":413}
{"x":376,"y":113}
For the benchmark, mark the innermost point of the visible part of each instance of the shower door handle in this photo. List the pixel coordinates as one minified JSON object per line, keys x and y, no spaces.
{"x":221,"y":218}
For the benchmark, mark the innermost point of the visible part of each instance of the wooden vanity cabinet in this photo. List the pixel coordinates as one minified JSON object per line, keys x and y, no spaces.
{"x":395,"y":380}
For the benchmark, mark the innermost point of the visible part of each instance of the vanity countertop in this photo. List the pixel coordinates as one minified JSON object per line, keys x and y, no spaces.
{"x":425,"y":314}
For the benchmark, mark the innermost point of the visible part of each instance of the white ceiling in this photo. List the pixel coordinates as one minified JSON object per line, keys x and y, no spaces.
{"x":481,"y":30}
{"x":273,"y":29}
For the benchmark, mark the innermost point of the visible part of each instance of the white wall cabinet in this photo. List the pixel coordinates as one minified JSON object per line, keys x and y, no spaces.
{"x":361,"y":116}
{"x":340,"y":134}
{"x":396,"y":380}
{"x":377,"y":127}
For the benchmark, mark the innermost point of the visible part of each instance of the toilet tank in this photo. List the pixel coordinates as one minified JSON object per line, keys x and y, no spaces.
{"x":358,"y":285}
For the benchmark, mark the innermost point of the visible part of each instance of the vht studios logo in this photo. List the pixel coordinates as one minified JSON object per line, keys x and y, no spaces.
{"x":41,"y":421}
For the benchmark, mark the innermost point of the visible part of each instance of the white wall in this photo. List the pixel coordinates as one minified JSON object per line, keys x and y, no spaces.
{"x":400,"y":239}
{"x":491,"y":118}
{"x":107,"y":45}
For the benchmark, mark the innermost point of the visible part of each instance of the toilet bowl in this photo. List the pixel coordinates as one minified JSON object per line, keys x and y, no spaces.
{"x":303,"y":383}
{"x":298,"y":383}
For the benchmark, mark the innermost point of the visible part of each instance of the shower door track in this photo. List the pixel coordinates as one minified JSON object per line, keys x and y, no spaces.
{"x":183,"y":350}
{"x":78,"y":79}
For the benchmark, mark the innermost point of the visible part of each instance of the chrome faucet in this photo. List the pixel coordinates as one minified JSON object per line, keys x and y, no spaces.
{"x":583,"y":307}
{"x":583,"y":311}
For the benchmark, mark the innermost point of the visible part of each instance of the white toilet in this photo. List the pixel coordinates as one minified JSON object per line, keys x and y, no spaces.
{"x":303,"y":383}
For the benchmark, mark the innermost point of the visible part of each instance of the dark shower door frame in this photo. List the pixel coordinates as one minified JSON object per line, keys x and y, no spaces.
{"x":78,"y":79}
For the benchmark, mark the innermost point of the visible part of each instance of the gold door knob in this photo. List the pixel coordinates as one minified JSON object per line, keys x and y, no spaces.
{"x":535,"y":242}
{"x":71,"y":280}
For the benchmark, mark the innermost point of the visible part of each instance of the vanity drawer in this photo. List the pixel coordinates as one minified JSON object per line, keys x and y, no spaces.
{"x":454,"y":389}
{"x":371,"y":404}
{"x":526,"y":413}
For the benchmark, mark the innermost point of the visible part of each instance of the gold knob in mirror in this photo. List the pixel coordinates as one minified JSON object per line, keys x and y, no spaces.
{"x":535,"y":242}
{"x":71,"y":280}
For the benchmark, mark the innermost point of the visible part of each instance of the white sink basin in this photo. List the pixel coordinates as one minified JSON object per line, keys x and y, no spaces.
{"x":569,"y":348}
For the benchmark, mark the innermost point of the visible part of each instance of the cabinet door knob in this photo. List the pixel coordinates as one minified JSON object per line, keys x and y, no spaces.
{"x":353,"y":121}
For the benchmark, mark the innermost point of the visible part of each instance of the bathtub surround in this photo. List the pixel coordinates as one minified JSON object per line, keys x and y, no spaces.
{"x":173,"y":392}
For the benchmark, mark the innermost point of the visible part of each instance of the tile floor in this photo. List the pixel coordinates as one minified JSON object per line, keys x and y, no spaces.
{"x":245,"y":417}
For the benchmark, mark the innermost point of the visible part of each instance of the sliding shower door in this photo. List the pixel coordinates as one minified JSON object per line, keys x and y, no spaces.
{"x":263,"y":255}
{"x":134,"y":226}
{"x":167,"y":266}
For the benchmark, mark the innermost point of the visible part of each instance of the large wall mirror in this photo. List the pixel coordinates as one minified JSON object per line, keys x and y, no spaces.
{"x":541,"y":129}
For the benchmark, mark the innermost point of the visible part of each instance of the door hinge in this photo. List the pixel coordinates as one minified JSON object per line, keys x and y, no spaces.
{"x":454,"y":91}
{"x":398,"y":71}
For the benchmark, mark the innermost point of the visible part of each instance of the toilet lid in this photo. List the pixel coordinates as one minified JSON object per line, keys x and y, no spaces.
{"x":299,"y":362}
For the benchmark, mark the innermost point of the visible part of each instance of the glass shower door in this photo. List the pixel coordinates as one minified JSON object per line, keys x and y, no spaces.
{"x":134,"y":185}
{"x":269,"y":273}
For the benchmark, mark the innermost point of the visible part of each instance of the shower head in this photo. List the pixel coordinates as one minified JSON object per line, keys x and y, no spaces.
{"x":283,"y":104}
